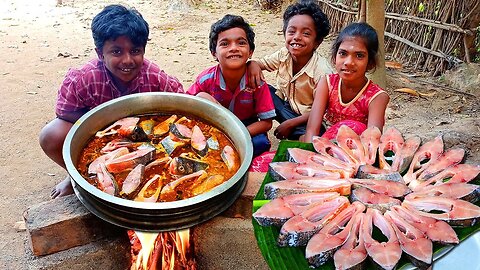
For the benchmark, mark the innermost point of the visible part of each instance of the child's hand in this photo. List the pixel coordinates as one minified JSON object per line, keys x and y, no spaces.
{"x":255,"y":75}
{"x":284,"y":130}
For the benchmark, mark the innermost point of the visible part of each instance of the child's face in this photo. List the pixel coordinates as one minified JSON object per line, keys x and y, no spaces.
{"x":300,"y":36}
{"x":122,"y":58}
{"x":351,"y":60}
{"x":233,"y":50}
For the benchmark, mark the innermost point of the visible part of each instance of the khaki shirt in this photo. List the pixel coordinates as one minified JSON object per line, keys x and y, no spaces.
{"x":298,"y":90}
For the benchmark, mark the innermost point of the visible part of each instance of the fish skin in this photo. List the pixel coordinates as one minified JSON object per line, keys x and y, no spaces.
{"x":371,"y":172}
{"x":391,"y":140}
{"x":389,"y":188}
{"x":371,"y":199}
{"x":288,"y":187}
{"x":370,"y":139}
{"x":463,"y":191}
{"x":402,"y":159}
{"x":228,"y":156}
{"x":133,"y":180}
{"x":170,"y":145}
{"x":383,"y":254}
{"x":278,"y":211}
{"x":182,"y":165}
{"x":135,"y":134}
{"x":413,"y":242}
{"x":130,"y":160}
{"x":212,"y":143}
{"x":352,"y":254}
{"x":460,"y":173}
{"x":350,"y":141}
{"x":436,"y":230}
{"x":456,"y":212}
{"x":286,"y":170}
{"x":430,"y":150}
{"x":300,"y":228}
{"x":321,"y":247}
{"x":180,"y":131}
{"x":147,"y":126}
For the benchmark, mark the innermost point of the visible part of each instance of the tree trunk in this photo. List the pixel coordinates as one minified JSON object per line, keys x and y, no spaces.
{"x":376,"y":18}
{"x":473,"y":22}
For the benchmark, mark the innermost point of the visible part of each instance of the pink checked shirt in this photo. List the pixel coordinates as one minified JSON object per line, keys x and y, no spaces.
{"x":91,"y":85}
{"x":356,"y":109}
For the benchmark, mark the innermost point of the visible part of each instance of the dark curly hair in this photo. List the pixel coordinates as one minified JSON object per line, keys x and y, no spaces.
{"x":228,"y":22}
{"x":311,"y":8}
{"x":369,"y":36}
{"x":115,"y":21}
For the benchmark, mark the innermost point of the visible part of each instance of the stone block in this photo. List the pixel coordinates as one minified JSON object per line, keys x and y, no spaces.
{"x":242,"y":207}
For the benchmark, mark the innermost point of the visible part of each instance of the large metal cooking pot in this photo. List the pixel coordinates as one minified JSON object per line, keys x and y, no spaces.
{"x":162,"y":216}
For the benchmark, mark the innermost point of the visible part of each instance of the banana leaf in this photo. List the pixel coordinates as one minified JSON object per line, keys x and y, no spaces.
{"x":293,"y":258}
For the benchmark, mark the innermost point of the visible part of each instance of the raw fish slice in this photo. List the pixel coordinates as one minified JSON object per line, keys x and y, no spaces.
{"x":463,"y":191}
{"x":299,"y":155}
{"x":323,"y":244}
{"x":449,"y":158}
{"x":413,"y":242}
{"x":142,"y":196}
{"x":461,"y":173}
{"x":372,"y":199}
{"x":435,"y":230}
{"x":402,"y":159}
{"x":302,"y":156}
{"x":455,"y":212}
{"x":292,"y":171}
{"x":391,"y":140}
{"x":106,"y":182}
{"x":288,"y":187}
{"x":200,"y":187}
{"x":300,"y":228}
{"x":169,"y":189}
{"x":370,"y":172}
{"x":94,"y":168}
{"x":133,"y":180}
{"x":279,"y":210}
{"x":164,"y":126}
{"x":353,"y":253}
{"x":389,"y":188}
{"x":228,"y":156}
{"x":130,"y":160}
{"x":424,"y":156}
{"x":384,"y":254}
{"x":327,"y":148}
{"x":122,"y":126}
{"x":198,"y":141}
{"x":370,"y":139}
{"x":349,"y":141}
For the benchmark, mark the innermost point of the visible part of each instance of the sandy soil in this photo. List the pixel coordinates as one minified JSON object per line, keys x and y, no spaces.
{"x":40,"y":41}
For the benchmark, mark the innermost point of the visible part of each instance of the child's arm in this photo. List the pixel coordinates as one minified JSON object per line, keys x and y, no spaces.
{"x":318,"y":110}
{"x":260,"y":127}
{"x":255,"y":74}
{"x":376,"y":110}
{"x":285,"y":129}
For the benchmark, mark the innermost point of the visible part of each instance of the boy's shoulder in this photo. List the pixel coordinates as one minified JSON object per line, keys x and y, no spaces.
{"x":208,"y":74}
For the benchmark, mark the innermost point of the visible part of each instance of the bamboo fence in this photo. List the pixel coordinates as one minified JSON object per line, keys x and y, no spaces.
{"x":428,"y":35}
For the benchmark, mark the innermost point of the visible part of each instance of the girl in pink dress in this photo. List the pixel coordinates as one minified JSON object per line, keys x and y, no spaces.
{"x":349,"y":97}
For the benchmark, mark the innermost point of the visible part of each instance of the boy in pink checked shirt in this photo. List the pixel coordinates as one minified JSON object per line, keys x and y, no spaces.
{"x":120,"y":36}
{"x":232,"y":44}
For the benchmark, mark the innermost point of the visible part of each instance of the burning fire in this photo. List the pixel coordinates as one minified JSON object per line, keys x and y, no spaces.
{"x":162,"y":251}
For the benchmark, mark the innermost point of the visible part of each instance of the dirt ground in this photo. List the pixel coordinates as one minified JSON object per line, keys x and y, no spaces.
{"x":40,"y":41}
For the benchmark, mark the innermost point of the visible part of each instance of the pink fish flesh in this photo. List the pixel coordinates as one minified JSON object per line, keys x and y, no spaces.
{"x":389,"y":188}
{"x":371,"y":172}
{"x":463,"y":191}
{"x":287,"y":187}
{"x":198,"y":141}
{"x":349,"y":141}
{"x":424,"y":156}
{"x":370,"y":139}
{"x":293,"y":171}
{"x":461,"y":173}
{"x":325,"y":147}
{"x":352,"y":254}
{"x":391,"y":140}
{"x":94,"y":168}
{"x":372,"y":199}
{"x":402,"y":159}
{"x":130,"y":160}
{"x":133,"y":180}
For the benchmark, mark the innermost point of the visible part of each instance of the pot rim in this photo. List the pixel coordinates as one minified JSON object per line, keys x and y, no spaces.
{"x":245,"y":154}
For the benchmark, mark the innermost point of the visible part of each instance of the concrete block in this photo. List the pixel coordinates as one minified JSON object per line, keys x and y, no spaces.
{"x":227,"y":243}
{"x":110,"y":253}
{"x":64,"y":223}
{"x":242,"y":207}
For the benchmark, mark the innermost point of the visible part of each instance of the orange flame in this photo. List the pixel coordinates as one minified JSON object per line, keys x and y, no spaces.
{"x":166,"y":250}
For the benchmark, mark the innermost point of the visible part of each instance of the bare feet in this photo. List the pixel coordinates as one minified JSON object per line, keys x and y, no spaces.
{"x":63,"y":188}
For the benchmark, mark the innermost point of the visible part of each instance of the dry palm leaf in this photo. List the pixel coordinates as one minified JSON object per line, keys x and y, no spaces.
{"x":393,"y":64}
{"x":414,"y":92}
